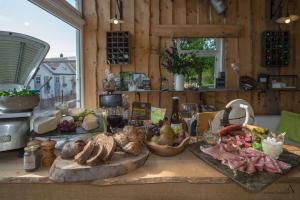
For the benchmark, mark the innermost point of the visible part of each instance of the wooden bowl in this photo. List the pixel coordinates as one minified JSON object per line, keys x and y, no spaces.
{"x":166,"y":150}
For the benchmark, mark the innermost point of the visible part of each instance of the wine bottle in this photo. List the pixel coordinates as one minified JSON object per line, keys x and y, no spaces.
{"x":176,"y":119}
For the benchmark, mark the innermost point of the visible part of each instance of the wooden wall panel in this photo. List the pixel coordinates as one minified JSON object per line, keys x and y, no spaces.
{"x":142,"y":40}
{"x":104,"y":15}
{"x":129,"y":26}
{"x":192,"y":17}
{"x":141,"y":16}
{"x":166,"y":17}
{"x":179,"y":17}
{"x":154,"y":71}
{"x":90,"y":52}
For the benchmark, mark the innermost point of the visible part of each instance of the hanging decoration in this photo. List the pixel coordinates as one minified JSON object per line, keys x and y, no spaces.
{"x":118,"y":18}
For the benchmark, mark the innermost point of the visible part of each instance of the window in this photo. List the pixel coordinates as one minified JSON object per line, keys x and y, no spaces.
{"x":38,"y":79}
{"x":41,"y":19}
{"x":57,"y":79}
{"x":209,"y":52}
{"x":75,"y":4}
{"x":37,"y":82}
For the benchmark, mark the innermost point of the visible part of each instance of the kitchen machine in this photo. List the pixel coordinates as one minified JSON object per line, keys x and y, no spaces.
{"x":20,"y":57}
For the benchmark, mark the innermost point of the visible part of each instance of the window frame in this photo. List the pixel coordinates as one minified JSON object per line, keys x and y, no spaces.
{"x":218,"y":54}
{"x":72,"y":16}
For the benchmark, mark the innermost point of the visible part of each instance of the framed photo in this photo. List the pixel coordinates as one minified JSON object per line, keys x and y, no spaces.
{"x":141,"y":111}
{"x":125,"y":78}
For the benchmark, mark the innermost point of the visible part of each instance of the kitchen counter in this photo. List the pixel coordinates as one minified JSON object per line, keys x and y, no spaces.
{"x":173,"y":173}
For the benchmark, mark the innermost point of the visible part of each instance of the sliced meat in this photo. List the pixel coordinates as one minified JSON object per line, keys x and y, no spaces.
{"x":259,"y":165}
{"x":283,"y":165}
{"x":247,"y":159}
{"x":84,"y":155}
{"x":213,"y":151}
{"x":270,"y":166}
{"x":234,"y":164}
{"x":250,"y":167}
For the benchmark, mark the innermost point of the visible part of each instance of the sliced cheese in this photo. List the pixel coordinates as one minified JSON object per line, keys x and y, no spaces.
{"x":74,"y":112}
{"x":43,"y":125}
{"x":90,"y":122}
{"x":57,"y":114}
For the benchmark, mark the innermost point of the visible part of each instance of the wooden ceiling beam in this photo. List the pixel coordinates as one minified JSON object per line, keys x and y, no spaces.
{"x":178,"y":30}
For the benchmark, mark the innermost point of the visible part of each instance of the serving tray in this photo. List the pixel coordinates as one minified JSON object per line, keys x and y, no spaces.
{"x":255,"y":182}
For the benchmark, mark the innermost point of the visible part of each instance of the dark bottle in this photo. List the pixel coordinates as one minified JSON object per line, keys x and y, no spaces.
{"x":176,"y":119}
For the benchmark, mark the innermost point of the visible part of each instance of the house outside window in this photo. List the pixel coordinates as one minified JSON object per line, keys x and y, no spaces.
{"x":210,"y":52}
{"x":42,"y":19}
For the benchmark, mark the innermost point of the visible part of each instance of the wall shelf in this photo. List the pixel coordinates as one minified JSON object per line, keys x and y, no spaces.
{"x":185,"y":91}
{"x":205,"y":90}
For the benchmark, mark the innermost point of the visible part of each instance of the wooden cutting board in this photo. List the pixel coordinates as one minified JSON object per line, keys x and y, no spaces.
{"x":255,"y":182}
{"x":120,"y":164}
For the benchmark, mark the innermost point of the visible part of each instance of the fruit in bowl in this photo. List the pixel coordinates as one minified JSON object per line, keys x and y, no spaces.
{"x":167,"y":142}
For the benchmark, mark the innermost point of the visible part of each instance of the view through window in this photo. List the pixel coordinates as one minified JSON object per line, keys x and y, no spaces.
{"x":209,"y":53}
{"x":58,"y":70}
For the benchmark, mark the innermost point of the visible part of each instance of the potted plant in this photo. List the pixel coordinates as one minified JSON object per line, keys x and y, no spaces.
{"x":180,"y":65}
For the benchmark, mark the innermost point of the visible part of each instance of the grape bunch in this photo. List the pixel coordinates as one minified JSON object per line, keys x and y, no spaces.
{"x":154,"y":130}
{"x":67,"y":126}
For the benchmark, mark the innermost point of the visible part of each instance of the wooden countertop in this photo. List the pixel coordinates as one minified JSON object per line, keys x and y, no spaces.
{"x":181,"y":168}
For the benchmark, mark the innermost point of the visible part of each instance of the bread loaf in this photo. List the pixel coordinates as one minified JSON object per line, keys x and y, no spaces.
{"x":108,"y":143}
{"x":133,"y":148}
{"x":70,"y":149}
{"x":121,"y":139}
{"x":84,"y":155}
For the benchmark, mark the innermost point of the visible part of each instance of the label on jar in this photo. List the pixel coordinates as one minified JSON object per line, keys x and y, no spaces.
{"x":29,"y":162}
{"x":177,"y":128}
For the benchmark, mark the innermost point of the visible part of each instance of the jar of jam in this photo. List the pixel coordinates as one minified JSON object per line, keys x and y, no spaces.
{"x":48,"y":155}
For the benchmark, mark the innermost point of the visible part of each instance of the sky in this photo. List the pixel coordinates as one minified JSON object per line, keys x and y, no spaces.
{"x":24,"y":17}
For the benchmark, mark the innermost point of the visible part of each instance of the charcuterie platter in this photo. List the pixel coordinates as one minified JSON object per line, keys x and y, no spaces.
{"x":252,"y":182}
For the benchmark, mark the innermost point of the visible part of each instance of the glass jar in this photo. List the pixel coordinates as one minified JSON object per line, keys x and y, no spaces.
{"x":164,"y":84}
{"x":30,"y":162}
{"x":211,"y":138}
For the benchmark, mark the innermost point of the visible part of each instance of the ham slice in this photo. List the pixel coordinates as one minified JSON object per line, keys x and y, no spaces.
{"x":259,"y":165}
{"x":246,"y":160}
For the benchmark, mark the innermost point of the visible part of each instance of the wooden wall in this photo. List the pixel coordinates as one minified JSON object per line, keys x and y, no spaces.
{"x":141,"y":18}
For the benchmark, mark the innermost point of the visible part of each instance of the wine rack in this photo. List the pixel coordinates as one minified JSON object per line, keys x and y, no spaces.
{"x":275,"y":48}
{"x":117,"y":47}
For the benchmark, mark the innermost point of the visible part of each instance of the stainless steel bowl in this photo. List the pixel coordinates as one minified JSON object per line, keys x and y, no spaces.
{"x":19,"y":104}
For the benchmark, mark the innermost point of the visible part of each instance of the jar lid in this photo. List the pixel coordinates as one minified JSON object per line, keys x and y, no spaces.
{"x":31,"y":148}
{"x":34,"y":142}
{"x":48,"y":143}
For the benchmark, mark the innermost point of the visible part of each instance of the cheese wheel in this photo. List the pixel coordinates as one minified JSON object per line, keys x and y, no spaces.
{"x":90,"y":122}
{"x":43,"y":125}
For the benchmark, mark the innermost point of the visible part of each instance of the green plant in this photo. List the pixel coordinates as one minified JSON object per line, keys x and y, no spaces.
{"x":178,"y":63}
{"x":14,"y":93}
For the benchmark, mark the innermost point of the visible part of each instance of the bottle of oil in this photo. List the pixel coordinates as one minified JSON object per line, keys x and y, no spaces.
{"x":176,"y":119}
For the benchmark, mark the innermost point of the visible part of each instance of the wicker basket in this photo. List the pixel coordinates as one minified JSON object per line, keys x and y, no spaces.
{"x":165,"y":150}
